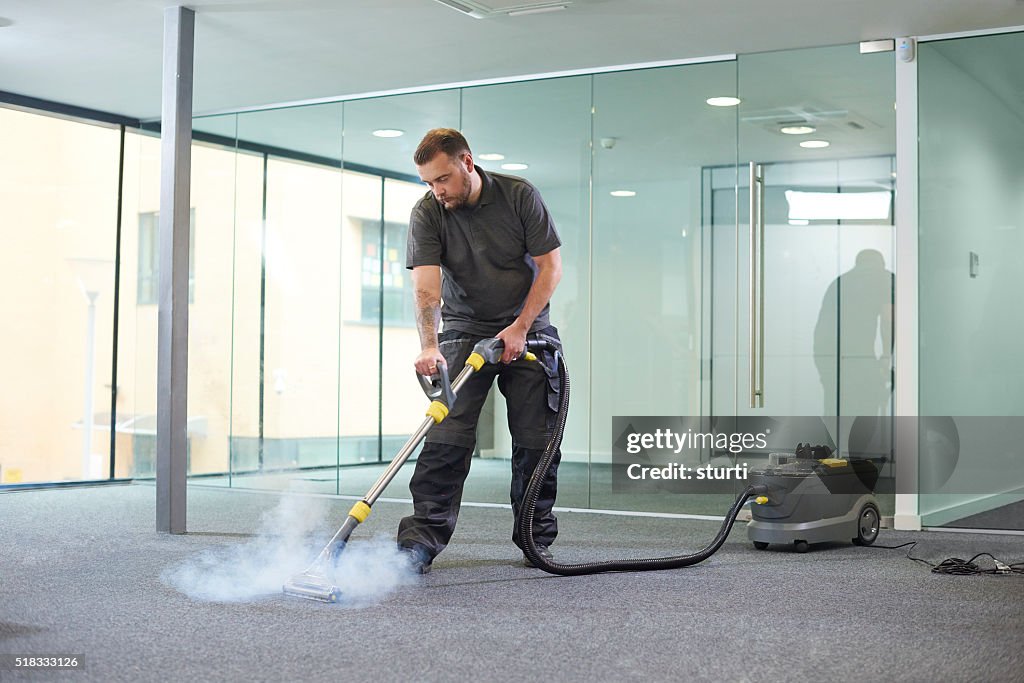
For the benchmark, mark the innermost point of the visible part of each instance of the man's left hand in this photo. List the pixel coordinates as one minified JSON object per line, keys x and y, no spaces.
{"x":514,"y":337}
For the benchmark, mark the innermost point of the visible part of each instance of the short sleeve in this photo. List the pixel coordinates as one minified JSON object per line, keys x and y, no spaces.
{"x":541,"y":235}
{"x":423,"y":246}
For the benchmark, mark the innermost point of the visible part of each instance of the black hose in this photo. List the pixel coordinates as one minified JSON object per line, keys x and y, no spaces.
{"x":533,"y":492}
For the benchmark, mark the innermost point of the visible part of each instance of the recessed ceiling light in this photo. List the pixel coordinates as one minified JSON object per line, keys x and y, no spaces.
{"x":723,"y":101}
{"x":814,"y":144}
{"x":389,"y":133}
{"x":515,"y":167}
{"x":492,"y":156}
{"x":623,"y":193}
{"x":797,"y":130}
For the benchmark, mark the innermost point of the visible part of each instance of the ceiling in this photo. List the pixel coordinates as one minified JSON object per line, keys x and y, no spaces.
{"x":106,"y":54}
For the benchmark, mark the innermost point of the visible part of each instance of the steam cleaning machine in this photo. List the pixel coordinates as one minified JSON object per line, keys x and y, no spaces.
{"x":813,"y":497}
{"x":806,"y":500}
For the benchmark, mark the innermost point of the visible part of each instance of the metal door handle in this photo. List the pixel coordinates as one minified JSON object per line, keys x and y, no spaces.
{"x":756,"y":285}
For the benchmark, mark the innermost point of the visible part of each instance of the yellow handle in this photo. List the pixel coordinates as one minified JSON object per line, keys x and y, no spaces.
{"x":360,"y":511}
{"x":438,"y":411}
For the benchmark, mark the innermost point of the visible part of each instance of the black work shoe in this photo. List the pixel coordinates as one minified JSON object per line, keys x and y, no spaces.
{"x":543,"y":551}
{"x":418,"y":559}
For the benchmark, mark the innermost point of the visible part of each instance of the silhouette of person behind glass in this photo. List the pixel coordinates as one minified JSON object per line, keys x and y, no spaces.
{"x":855,"y":311}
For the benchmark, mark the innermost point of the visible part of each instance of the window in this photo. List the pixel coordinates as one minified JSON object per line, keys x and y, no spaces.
{"x":149,"y":257}
{"x":386,"y":271}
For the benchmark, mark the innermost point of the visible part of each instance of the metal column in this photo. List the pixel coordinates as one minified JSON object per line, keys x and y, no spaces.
{"x":172,"y":353}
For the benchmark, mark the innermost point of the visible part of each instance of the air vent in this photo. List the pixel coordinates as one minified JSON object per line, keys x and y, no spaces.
{"x":824,"y":119}
{"x":483,"y":10}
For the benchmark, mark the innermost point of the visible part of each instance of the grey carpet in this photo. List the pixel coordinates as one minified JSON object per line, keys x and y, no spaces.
{"x":80,"y":573}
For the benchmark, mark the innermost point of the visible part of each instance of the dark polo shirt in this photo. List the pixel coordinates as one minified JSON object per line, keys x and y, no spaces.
{"x":484,"y":252}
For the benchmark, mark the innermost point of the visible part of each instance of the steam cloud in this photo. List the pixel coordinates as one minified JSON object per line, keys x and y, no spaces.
{"x":289,"y":538}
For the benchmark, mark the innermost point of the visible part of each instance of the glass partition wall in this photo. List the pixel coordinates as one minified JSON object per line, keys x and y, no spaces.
{"x":645,"y":175}
{"x":654,"y":136}
{"x":816,"y":144}
{"x":58,"y":212}
{"x":971,"y":245}
{"x":302,"y":335}
{"x":302,"y":332}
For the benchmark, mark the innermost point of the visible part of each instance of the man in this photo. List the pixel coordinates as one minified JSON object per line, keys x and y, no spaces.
{"x":485,"y":259}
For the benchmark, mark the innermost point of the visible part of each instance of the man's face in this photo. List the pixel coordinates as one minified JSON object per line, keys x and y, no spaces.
{"x":448,"y":179}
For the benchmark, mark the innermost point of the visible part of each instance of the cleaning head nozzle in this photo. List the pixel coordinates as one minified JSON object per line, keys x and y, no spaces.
{"x":312,"y":587}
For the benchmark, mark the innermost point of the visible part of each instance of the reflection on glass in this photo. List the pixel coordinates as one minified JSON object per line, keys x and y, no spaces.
{"x":857,"y":306}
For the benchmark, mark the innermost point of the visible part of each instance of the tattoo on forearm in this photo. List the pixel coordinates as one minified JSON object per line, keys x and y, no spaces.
{"x":428,"y":315}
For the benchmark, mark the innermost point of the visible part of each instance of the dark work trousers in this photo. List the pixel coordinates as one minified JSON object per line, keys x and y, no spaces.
{"x":531,"y":391}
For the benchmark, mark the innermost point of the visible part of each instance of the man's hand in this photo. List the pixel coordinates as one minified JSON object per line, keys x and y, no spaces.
{"x":426,"y":362}
{"x":514,"y":337}
{"x":549,"y":272}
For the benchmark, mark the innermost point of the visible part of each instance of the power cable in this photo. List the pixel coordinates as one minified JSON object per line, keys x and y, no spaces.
{"x":959,"y":567}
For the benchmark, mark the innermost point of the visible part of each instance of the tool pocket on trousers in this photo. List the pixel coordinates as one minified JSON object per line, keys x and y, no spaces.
{"x":554,"y":385}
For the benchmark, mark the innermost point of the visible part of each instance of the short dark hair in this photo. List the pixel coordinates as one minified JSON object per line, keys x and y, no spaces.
{"x":447,"y":140}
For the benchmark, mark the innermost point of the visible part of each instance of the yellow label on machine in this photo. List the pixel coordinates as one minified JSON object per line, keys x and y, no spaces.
{"x":833,"y":462}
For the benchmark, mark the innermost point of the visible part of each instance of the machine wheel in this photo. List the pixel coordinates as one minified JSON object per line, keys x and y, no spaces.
{"x":801,"y":546}
{"x":867,"y":525}
{"x":760,"y":545}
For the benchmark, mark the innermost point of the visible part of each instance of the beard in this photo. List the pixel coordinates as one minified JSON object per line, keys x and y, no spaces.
{"x":458,"y":200}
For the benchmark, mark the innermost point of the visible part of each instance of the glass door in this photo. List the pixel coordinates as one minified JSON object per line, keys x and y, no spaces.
{"x":800,"y":287}
{"x":656,"y":132}
{"x":971,"y":141}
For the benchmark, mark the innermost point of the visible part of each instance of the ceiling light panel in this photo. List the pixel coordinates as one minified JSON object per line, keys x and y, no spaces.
{"x":483,"y":10}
